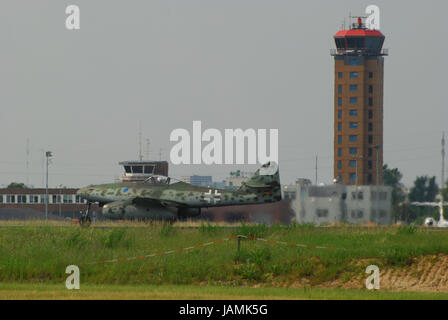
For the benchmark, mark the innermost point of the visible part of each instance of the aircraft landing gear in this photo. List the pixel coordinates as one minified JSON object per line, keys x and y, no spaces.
{"x":85,"y":220}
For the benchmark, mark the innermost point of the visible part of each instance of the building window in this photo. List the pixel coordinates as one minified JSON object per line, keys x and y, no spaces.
{"x":353,"y":138}
{"x":352,"y":176}
{"x":370,"y":102}
{"x":339,"y":88}
{"x":354,"y":61}
{"x":340,"y":75}
{"x":56,"y":198}
{"x":353,"y":125}
{"x":353,"y":112}
{"x":340,"y":102}
{"x":369,"y":152}
{"x":10,"y":199}
{"x":369,"y":178}
{"x":370,"y":89}
{"x":339,"y":152}
{"x":370,"y":75}
{"x":369,"y":164}
{"x":353,"y":87}
{"x":34,"y":198}
{"x":370,"y":114}
{"x":339,"y":114}
{"x":353,"y":75}
{"x":370,"y":126}
{"x":353,"y":100}
{"x":370,"y":139}
{"x":352,"y":163}
{"x":322,"y":213}
{"x":21,"y":199}
{"x":339,"y":139}
{"x":339,"y":126}
{"x":353,"y":150}
{"x":68,"y":198}
{"x":1,"y":198}
{"x":357,"y":214}
{"x":42,"y":198}
{"x":339,"y":164}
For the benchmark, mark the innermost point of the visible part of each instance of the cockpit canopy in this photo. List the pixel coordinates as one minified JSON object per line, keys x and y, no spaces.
{"x":159,"y":179}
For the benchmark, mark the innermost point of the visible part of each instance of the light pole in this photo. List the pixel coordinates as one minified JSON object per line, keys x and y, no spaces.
{"x":377,"y":146}
{"x":48,"y":155}
{"x":60,"y":199}
{"x":377,"y":199}
{"x":356,"y":162}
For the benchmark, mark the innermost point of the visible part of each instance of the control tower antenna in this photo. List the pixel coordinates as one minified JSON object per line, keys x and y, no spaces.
{"x":140,"y":157}
{"x":160,"y":154}
{"x":147,"y":149}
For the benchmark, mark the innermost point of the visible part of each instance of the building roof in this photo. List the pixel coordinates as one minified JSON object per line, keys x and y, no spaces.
{"x":358,"y":33}
{"x":39,"y":191}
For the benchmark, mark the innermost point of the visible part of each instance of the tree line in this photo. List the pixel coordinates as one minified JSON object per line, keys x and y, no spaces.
{"x":424,"y":189}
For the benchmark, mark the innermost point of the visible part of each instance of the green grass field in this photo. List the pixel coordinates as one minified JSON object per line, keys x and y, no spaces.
{"x":182,"y":292}
{"x":36,"y":254}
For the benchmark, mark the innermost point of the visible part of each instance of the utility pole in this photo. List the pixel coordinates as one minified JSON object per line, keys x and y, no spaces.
{"x":140,"y":156}
{"x":315,"y":179}
{"x":27,"y":161}
{"x":48,"y":155}
{"x":442,"y":183}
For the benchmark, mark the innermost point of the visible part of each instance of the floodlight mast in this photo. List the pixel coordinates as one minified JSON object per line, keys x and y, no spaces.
{"x":48,"y":155}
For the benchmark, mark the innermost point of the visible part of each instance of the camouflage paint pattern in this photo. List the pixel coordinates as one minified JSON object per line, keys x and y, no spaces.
{"x":161,"y":200}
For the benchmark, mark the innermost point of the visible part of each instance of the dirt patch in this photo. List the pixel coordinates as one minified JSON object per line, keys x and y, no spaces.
{"x":425,"y":273}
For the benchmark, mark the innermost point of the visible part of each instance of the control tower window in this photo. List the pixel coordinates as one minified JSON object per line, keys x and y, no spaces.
{"x":374,"y":43}
{"x":137,"y":169}
{"x":149,"y":169}
{"x":127,"y":169}
{"x":355,"y":43}
{"x":340,"y":43}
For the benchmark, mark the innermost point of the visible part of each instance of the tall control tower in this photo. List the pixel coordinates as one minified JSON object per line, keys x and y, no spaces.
{"x":358,"y":105}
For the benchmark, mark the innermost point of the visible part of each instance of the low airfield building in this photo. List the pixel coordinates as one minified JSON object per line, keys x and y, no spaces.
{"x":343,"y":203}
{"x":62,"y":202}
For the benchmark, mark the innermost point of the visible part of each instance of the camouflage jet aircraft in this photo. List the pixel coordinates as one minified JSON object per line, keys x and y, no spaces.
{"x":162,"y":198}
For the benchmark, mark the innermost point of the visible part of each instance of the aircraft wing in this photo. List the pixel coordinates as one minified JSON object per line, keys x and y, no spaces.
{"x":145,"y":201}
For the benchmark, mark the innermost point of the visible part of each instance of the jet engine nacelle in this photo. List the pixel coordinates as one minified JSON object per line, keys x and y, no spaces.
{"x":128,"y":210}
{"x":188,"y":212}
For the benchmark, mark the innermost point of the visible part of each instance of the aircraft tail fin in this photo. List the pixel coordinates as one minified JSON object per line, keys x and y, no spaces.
{"x":266,"y":182}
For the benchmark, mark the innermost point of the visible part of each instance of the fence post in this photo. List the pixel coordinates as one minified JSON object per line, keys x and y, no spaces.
{"x":239,"y":243}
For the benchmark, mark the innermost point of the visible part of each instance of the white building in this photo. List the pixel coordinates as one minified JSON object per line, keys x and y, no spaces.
{"x":343,"y":203}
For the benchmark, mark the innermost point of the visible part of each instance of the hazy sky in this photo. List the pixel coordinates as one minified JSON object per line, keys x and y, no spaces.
{"x":229,"y":63}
